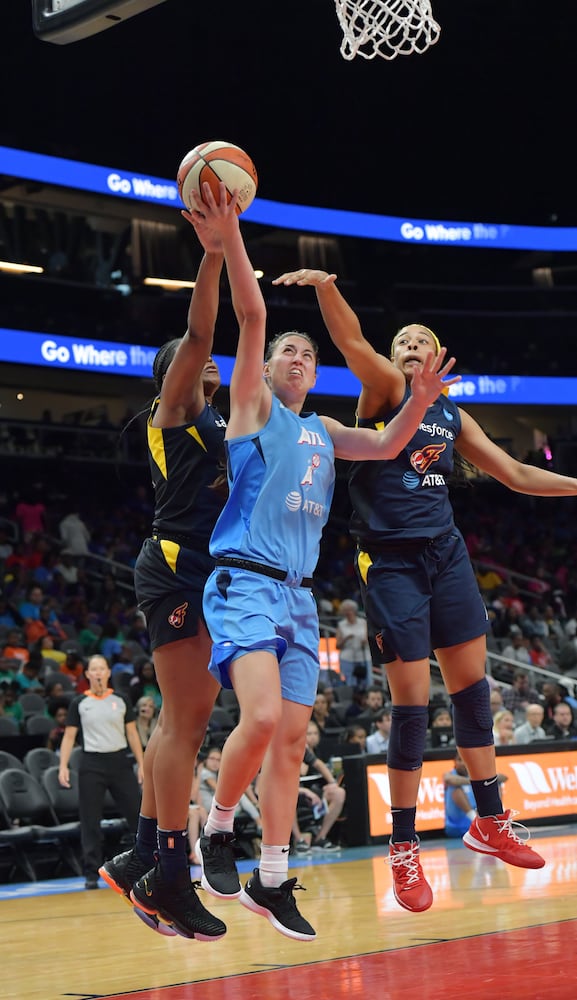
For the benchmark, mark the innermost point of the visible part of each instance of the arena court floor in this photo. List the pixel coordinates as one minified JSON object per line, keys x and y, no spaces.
{"x":492,"y":932}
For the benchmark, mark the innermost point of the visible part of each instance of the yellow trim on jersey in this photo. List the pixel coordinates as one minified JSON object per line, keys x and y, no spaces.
{"x":364,"y":562}
{"x":156,"y":445}
{"x":194,"y":433}
{"x":170,"y":552}
{"x":379,"y":424}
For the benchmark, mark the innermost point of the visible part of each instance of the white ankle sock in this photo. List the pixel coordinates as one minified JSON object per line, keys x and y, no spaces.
{"x":273,"y":867}
{"x":220,"y":819}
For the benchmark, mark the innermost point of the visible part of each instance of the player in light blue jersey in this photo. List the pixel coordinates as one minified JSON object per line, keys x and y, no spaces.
{"x":418,"y":585}
{"x":258,"y":602}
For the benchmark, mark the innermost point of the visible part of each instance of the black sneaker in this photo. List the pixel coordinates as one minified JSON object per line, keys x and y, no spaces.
{"x":151,"y":920}
{"x":324,"y":846}
{"x":278,"y":906}
{"x":217,"y":861}
{"x":121,"y":872}
{"x":177,"y":905}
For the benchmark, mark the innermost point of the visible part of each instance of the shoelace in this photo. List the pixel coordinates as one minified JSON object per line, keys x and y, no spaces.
{"x":289,"y":897}
{"x":506,"y":826}
{"x":223,"y":853}
{"x":409,"y":860}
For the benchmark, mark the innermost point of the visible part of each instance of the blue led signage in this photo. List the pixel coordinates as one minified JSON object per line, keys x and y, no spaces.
{"x":77,"y":354}
{"x":143,"y":187}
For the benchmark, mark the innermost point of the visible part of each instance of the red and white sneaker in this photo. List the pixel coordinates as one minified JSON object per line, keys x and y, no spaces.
{"x":495,"y":835}
{"x":411,"y":889}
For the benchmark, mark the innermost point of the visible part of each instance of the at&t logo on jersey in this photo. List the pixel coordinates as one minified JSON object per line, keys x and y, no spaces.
{"x":295,"y":502}
{"x":421,"y":461}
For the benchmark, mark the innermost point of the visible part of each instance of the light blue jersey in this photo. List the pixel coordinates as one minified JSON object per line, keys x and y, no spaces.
{"x":281,"y":482}
{"x":281,"y":485}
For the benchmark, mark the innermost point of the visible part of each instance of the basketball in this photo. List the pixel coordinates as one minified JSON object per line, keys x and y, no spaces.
{"x":214,"y":162}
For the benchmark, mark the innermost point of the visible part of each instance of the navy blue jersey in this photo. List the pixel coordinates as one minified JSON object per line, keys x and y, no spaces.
{"x":407,"y":497}
{"x":184,"y":462}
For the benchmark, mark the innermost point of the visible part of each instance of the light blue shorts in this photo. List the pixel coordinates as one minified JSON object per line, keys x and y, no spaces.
{"x":246,"y":611}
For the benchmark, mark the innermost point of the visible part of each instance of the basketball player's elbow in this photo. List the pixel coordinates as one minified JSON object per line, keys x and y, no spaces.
{"x":252,"y":317}
{"x":389,"y":448}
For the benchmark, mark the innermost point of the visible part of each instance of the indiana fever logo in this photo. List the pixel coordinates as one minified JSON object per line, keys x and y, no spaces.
{"x":423,"y":459}
{"x":176,"y":618}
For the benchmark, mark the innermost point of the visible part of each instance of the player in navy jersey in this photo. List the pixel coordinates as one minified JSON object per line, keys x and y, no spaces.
{"x":258,"y":602}
{"x":185,"y":435}
{"x":418,"y":585}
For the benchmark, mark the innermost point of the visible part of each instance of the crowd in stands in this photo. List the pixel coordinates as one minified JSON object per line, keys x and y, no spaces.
{"x":55,"y":611}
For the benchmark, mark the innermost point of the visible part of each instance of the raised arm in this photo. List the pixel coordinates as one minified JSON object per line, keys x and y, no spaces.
{"x":363,"y":443}
{"x":383,"y":384}
{"x":250,"y":398}
{"x":182,"y":389}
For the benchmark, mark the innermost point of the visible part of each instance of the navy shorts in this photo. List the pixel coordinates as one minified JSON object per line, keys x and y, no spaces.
{"x":246,"y":611}
{"x":420,"y":596}
{"x":169,"y":582}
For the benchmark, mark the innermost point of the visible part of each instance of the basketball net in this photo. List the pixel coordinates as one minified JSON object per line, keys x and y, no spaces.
{"x":386,"y":28}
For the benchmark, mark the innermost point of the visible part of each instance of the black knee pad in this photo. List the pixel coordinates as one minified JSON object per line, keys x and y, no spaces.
{"x":407,"y":738}
{"x":472,"y":719}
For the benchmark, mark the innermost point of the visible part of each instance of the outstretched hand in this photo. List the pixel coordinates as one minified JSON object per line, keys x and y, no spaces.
{"x":429,"y":379}
{"x":210,"y":219}
{"x":305,"y":276}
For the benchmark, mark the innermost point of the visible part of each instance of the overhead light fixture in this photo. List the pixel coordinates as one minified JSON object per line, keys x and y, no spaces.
{"x":8,"y":265}
{"x":171,"y":284}
{"x":174,"y":284}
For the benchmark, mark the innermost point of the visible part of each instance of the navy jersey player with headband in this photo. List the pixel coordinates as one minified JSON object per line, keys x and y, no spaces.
{"x":258,"y":602}
{"x":418,"y":585}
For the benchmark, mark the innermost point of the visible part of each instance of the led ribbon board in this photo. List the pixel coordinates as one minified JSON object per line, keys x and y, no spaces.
{"x":24,"y":347}
{"x":160,"y":191}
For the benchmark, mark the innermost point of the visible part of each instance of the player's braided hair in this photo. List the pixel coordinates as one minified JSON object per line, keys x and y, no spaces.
{"x":162,"y":360}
